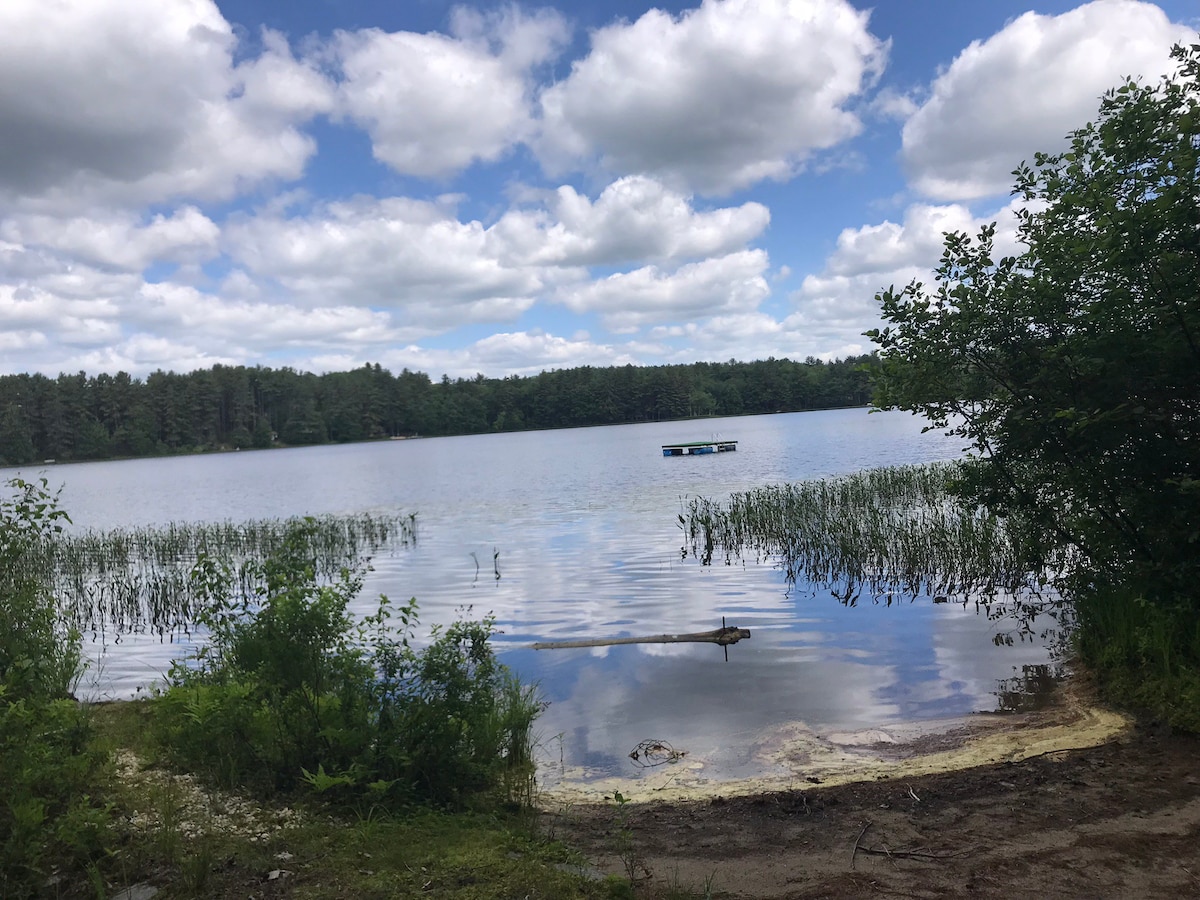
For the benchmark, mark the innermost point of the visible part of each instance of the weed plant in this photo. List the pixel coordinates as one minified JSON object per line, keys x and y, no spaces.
{"x":291,"y":691}
{"x":53,"y":773}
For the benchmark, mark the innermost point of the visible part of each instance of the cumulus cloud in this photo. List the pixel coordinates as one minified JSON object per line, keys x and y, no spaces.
{"x":718,"y":98}
{"x":634,"y":218}
{"x":136,"y":101}
{"x":1023,"y":89}
{"x":433,"y":103}
{"x":411,"y":256}
{"x":508,"y":353}
{"x":154,"y":319}
{"x":628,"y":301}
{"x":835,"y":306}
{"x":114,"y":239}
{"x":419,"y":260}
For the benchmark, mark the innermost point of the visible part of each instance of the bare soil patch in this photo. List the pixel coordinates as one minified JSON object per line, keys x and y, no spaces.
{"x":1117,"y":820}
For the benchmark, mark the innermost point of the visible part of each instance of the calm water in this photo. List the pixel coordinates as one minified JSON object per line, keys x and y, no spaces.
{"x":585,"y":524}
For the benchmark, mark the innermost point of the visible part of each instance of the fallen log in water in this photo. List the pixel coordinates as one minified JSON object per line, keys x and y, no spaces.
{"x":723,"y":636}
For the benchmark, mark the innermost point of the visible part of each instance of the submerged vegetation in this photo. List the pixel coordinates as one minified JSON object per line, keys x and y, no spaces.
{"x":140,"y":579}
{"x":886,"y":534}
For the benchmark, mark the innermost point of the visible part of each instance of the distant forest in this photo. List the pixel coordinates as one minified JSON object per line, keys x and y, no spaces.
{"x":77,"y":417}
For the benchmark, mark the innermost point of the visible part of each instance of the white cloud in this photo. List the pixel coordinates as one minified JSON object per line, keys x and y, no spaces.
{"x":528,"y":353}
{"x":255,"y":328}
{"x":892,"y":104}
{"x":627,"y":301}
{"x":1025,"y":88}
{"x":410,"y":256}
{"x":134,"y":101}
{"x":889,"y":245}
{"x":143,"y":353}
{"x":719,"y":98}
{"x":434,"y":271}
{"x":510,"y":353}
{"x":834,"y":307}
{"x":634,"y":218}
{"x":433,"y":104}
{"x":117,"y":239}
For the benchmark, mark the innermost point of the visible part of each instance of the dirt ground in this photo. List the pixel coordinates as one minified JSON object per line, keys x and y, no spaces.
{"x":1117,"y":820}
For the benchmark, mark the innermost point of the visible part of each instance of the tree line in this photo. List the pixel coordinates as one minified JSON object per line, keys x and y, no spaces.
{"x":82,"y":417}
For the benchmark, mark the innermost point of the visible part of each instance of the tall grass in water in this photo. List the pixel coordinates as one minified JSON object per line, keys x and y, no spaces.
{"x":890,"y":533}
{"x":137,"y":579}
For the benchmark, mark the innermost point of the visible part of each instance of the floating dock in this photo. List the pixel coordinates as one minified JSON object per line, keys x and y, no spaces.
{"x":698,"y":448}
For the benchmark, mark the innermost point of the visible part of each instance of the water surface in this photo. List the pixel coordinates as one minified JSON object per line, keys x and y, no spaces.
{"x":585,"y":526}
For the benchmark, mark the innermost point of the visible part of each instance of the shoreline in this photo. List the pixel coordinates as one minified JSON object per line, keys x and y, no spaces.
{"x":793,"y":757}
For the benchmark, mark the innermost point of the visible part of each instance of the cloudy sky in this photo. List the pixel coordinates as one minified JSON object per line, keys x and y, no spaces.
{"x":509,"y":187}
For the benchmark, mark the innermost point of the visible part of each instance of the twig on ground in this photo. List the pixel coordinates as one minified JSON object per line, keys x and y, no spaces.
{"x":857,"y":841}
{"x":1052,"y":752}
{"x":911,"y":854}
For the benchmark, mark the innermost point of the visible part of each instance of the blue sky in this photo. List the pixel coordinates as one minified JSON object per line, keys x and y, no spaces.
{"x":505,"y":188}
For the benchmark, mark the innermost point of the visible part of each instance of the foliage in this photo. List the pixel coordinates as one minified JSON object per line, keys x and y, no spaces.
{"x":290,"y":690}
{"x":39,"y":654}
{"x":235,"y":407}
{"x":52,"y":819}
{"x":1143,"y":655}
{"x":1072,"y":367}
{"x":51,"y":769}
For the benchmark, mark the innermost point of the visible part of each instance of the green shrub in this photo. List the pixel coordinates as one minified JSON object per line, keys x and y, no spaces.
{"x":39,"y":653}
{"x":51,"y":818}
{"x":52,"y":770}
{"x":290,"y":690}
{"x":1144,"y":655}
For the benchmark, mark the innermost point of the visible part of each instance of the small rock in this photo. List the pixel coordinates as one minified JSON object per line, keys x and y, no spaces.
{"x":276,"y":874}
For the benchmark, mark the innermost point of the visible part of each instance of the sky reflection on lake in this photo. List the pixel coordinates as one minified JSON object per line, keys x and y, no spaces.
{"x":582,"y":527}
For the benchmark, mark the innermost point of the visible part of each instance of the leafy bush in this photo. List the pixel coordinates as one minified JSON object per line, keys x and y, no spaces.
{"x":51,"y":820}
{"x":291,"y":690}
{"x":1144,"y":656}
{"x":39,"y":653}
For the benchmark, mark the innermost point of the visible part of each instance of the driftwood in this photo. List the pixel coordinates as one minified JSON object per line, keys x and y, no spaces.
{"x":724,"y":636}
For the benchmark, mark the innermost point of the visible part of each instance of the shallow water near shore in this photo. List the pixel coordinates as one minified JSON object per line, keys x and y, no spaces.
{"x":574,"y":534}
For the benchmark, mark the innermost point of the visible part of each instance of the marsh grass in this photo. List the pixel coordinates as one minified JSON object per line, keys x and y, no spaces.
{"x":884,"y":534}
{"x":138,"y":579}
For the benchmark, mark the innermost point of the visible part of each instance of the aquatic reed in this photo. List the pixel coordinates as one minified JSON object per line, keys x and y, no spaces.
{"x":889,"y":533}
{"x":137,"y":579}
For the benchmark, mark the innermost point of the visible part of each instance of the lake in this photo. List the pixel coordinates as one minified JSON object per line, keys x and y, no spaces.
{"x":582,"y":528}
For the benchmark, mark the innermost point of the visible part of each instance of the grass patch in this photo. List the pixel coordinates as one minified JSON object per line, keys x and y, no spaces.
{"x":1144,"y":656}
{"x":194,"y":839}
